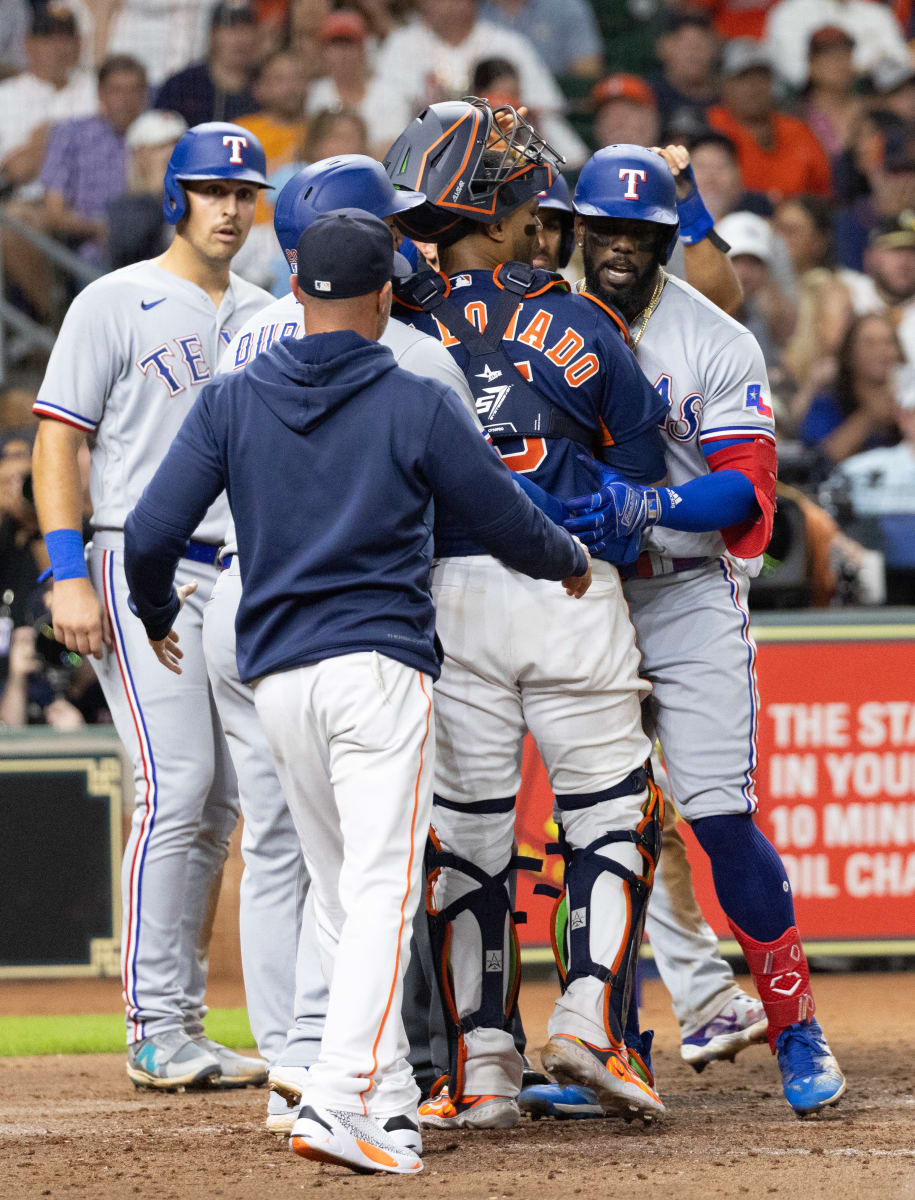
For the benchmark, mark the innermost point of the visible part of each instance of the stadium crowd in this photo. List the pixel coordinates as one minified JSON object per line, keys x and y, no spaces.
{"x":799,"y":116}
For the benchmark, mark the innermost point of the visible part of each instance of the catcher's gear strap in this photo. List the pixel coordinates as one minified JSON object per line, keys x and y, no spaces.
{"x":758,"y":460}
{"x":523,"y":411}
{"x":584,"y":866}
{"x":489,"y":904}
{"x":782,"y":978}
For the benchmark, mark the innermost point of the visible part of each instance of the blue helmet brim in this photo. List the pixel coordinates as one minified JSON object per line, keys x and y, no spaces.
{"x":405,"y":200}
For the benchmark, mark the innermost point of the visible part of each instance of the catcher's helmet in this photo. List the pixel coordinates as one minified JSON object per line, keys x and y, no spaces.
{"x":633,"y":183}
{"x":214,"y":150}
{"x":474,"y":163}
{"x":345,"y":181}
{"x":558,"y":198}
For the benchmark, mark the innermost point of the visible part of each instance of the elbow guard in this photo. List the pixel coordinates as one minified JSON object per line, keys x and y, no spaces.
{"x":757,"y":460}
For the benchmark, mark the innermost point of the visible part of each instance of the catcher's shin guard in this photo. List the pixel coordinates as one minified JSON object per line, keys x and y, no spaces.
{"x":574,"y":915}
{"x":489,"y":904}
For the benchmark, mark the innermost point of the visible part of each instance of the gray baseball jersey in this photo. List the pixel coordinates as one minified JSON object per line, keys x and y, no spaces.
{"x":711,"y":371}
{"x":134,"y":350}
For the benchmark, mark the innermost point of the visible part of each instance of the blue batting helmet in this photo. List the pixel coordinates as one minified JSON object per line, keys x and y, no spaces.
{"x":214,"y":150}
{"x":558,"y":198}
{"x":345,"y":181}
{"x":632,"y":183}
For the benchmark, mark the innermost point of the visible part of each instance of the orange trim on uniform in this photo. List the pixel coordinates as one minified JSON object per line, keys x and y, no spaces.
{"x":606,"y":437}
{"x":406,"y":895}
{"x":611,"y":313}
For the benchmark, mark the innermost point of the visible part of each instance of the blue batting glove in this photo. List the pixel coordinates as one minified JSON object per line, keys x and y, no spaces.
{"x":617,"y":510}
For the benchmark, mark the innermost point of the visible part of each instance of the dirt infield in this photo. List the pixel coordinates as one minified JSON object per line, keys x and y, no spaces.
{"x":73,"y":1127}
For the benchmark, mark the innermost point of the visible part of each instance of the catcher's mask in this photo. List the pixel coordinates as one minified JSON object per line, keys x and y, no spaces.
{"x":476,"y":164}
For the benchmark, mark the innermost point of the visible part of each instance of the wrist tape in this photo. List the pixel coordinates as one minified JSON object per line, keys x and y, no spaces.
{"x":65,"y":550}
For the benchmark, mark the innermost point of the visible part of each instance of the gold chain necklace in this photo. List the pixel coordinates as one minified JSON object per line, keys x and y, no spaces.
{"x":650,"y":307}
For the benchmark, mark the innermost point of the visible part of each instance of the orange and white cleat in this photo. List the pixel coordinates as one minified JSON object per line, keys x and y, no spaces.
{"x":606,"y":1070}
{"x":469,"y":1112}
{"x":352,"y":1140}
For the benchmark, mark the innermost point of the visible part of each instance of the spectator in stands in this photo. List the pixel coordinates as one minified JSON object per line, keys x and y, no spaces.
{"x":857,"y":411}
{"x":778,"y":154}
{"x":86,"y":161}
{"x":350,"y":82}
{"x":625,"y":110}
{"x":687,"y":50}
{"x":831,"y":108}
{"x":498,"y":80}
{"x":306,"y":19}
{"x":22,"y":552}
{"x":828,"y":297}
{"x":890,"y":265}
{"x":880,"y":484}
{"x":894,"y":88}
{"x":136,"y":226}
{"x":218,"y":89}
{"x":15,"y":19}
{"x":564,"y":35}
{"x":432,"y":58}
{"x":165,"y":36}
{"x":331,"y":133}
{"x":874,"y":28}
{"x":884,"y":158}
{"x":281,"y":91}
{"x":51,"y":89}
{"x":766,"y":310}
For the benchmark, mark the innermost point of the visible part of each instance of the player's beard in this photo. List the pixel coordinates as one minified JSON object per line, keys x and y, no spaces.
{"x":629,"y":299}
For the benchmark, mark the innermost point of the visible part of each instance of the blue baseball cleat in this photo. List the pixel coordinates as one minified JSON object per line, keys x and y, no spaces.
{"x":810,"y":1075}
{"x":569,"y":1103}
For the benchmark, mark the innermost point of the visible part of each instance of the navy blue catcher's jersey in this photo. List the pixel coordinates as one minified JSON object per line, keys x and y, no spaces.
{"x":572,"y":349}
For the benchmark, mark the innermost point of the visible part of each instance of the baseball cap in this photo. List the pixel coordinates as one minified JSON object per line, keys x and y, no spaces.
{"x":747,"y":233}
{"x":344,"y":253}
{"x":623,"y":87}
{"x":674,"y":21}
{"x":54,"y":19}
{"x":829,"y":35}
{"x":744,"y":54}
{"x":155,"y":128}
{"x":232,"y":12}
{"x":893,"y":232}
{"x":343,"y":26}
{"x":888,"y":75}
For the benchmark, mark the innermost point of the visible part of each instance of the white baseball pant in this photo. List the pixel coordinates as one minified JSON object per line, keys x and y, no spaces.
{"x":354,"y":746}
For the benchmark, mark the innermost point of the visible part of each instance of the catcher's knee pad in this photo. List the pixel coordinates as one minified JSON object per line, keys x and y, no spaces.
{"x":614,"y":922}
{"x":496,"y":970}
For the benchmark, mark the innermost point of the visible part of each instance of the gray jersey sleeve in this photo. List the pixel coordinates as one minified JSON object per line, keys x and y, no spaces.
{"x":85,"y":362}
{"x":428,"y":357}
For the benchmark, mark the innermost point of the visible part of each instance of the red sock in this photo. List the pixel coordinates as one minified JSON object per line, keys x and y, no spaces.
{"x":782,"y":978}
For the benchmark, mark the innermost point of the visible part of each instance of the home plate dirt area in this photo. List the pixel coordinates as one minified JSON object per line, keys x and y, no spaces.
{"x":74,"y":1127}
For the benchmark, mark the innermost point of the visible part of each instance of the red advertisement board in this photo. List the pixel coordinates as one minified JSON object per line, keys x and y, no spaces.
{"x":836,"y":787}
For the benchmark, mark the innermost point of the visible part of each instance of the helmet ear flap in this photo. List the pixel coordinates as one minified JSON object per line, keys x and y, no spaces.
{"x":174,"y":203}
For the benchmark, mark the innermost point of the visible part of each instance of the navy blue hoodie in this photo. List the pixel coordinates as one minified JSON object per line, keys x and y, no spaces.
{"x":331,"y":454}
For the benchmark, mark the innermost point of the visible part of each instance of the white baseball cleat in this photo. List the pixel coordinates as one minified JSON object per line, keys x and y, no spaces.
{"x":740,"y":1023}
{"x":235,"y":1070}
{"x":288,"y":1082}
{"x":352,"y":1140}
{"x":280,"y":1116}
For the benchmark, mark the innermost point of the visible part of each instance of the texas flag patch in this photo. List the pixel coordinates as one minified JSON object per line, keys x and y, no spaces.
{"x":755,"y":400}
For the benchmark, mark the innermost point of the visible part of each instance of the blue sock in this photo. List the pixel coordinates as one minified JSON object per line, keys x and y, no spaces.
{"x":750,"y":879}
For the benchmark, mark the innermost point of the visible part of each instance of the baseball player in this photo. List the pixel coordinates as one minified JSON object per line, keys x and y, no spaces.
{"x":717,"y":1018}
{"x":552,"y":380}
{"x":704,"y":536}
{"x":287,"y":999}
{"x":133,"y":352}
{"x":336,"y":627}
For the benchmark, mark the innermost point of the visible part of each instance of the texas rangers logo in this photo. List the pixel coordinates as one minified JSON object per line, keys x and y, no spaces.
{"x":755,"y":399}
{"x":634,"y":176}
{"x":236,"y":142}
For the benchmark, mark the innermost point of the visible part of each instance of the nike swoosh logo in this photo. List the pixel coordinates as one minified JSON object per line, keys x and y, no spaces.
{"x":147,"y":304}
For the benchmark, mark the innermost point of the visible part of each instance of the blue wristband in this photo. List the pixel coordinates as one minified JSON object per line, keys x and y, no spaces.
{"x":696,"y":222}
{"x":65,"y":550}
